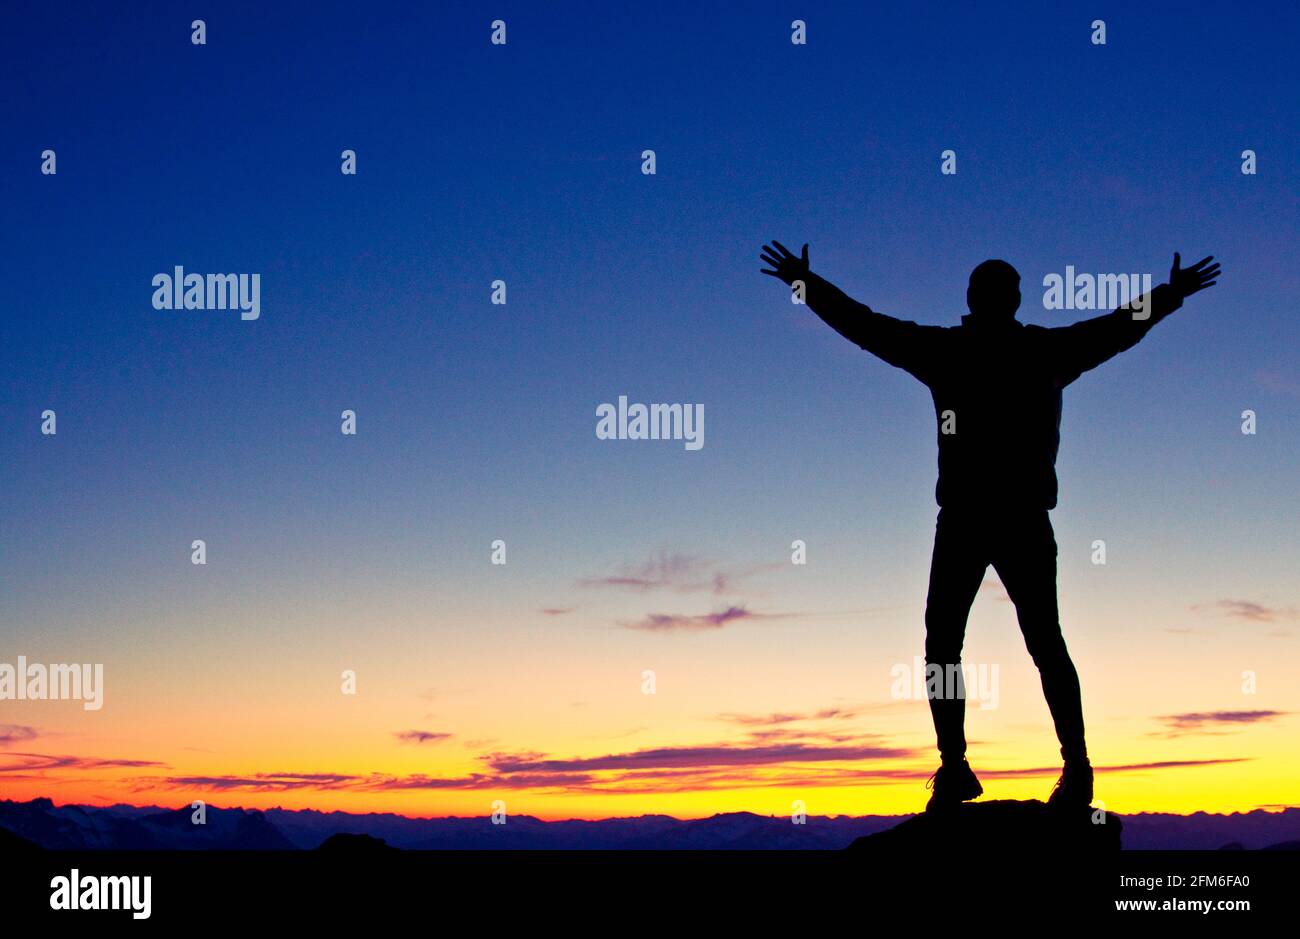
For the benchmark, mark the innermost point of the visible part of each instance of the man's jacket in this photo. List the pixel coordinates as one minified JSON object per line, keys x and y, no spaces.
{"x":996,"y":387}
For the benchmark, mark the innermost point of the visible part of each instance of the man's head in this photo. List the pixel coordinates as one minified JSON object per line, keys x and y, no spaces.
{"x":994,"y":291}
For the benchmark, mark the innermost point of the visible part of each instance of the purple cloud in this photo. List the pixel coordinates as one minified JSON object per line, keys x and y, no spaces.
{"x":1118,"y":768}
{"x":825,"y":714}
{"x":261,"y":782}
{"x":41,"y":762}
{"x":1249,"y":610}
{"x":664,"y":571}
{"x":681,"y":573}
{"x":695,"y":757}
{"x":676,"y":622}
{"x":16,"y":733}
{"x":421,"y":736}
{"x":1203,"y":721}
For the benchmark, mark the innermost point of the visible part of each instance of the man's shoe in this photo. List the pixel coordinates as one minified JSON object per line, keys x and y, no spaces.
{"x":953,"y":784}
{"x":1074,"y":788}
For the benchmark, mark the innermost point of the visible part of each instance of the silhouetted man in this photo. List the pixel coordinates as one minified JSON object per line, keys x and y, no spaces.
{"x":996,"y":385}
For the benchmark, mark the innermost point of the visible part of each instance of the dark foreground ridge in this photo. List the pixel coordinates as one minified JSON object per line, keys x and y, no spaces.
{"x":355,"y":844}
{"x":15,"y":845}
{"x":1003,"y":824}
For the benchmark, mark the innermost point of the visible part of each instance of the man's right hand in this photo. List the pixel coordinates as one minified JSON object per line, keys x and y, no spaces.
{"x":785,"y":266}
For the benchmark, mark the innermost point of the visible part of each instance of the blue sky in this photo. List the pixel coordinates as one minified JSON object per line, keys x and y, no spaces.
{"x":478,"y":162}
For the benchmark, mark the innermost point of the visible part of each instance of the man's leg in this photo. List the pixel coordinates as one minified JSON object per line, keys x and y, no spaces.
{"x":1025,"y":559}
{"x":956,"y":571}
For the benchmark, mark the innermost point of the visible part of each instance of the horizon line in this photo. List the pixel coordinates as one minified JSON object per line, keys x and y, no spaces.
{"x":1271,"y":809}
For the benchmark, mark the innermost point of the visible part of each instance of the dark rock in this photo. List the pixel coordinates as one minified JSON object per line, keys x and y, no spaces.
{"x":1004,"y":826}
{"x":355,"y":844}
{"x":12,"y":845}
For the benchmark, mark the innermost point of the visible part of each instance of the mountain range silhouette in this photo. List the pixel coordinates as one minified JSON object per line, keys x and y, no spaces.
{"x":41,"y":824}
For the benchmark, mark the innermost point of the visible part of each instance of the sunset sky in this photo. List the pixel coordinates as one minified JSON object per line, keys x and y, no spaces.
{"x":523,"y":682}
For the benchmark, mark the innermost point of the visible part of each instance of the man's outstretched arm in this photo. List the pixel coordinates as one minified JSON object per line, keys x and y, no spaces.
{"x":1087,"y":344}
{"x":899,"y":342}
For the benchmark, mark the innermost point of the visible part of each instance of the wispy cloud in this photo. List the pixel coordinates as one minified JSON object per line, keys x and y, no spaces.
{"x":994,"y":587}
{"x":660,"y":770}
{"x":421,"y":736}
{"x":665,"y":570}
{"x":14,"y":763}
{"x":1117,"y":768}
{"x":712,"y":756}
{"x":824,"y":726}
{"x":260,"y":782}
{"x":373,"y":782}
{"x":679,"y":573}
{"x":1249,"y":610}
{"x":678,"y":769}
{"x":1279,"y":381}
{"x":11,"y":734}
{"x":1208,"y":722}
{"x":473,"y":781}
{"x":555,"y":610}
{"x":825,"y":714}
{"x":770,"y":734}
{"x":680,"y":622}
